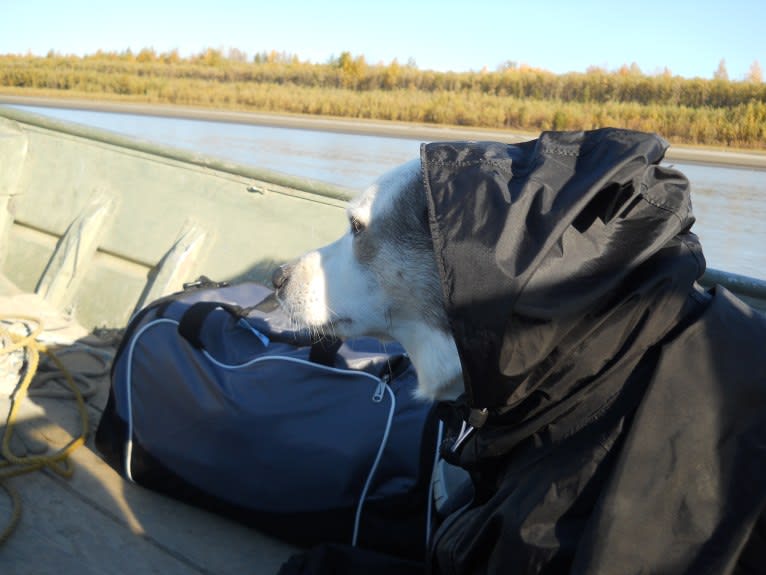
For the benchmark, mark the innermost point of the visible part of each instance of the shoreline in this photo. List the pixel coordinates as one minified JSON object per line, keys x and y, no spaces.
{"x":751,"y":159}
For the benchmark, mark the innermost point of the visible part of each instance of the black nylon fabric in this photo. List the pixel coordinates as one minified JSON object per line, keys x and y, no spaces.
{"x":531,"y":237}
{"x":626,"y":411}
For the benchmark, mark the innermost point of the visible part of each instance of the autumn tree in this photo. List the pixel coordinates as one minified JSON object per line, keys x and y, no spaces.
{"x":146,"y":55}
{"x":352,"y":69}
{"x":721,"y":72}
{"x":755,"y":75}
{"x":392,"y":74}
{"x":172,"y":57}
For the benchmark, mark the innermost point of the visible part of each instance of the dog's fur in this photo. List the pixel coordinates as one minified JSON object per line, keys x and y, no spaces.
{"x":380,"y":279}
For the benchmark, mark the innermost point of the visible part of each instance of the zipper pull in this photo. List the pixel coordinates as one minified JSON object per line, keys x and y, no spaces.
{"x":246,"y":324}
{"x":380,"y":391}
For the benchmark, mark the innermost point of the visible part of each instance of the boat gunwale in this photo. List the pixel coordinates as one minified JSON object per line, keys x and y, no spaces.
{"x":298,"y":183}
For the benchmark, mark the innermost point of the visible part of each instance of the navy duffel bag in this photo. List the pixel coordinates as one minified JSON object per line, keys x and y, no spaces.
{"x":218,"y":401}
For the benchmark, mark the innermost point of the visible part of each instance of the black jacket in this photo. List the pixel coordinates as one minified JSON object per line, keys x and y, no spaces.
{"x":620,"y":412}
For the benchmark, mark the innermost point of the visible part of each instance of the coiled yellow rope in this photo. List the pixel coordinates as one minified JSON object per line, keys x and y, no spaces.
{"x":58,"y":461}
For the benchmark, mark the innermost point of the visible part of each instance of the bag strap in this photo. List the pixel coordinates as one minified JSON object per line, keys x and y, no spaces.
{"x":190,"y":325}
{"x":323,"y":352}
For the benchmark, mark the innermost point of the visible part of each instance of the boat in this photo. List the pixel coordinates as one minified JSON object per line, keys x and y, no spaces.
{"x":93,"y":226}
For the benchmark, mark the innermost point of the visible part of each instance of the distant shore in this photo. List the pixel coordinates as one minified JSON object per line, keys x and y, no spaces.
{"x":425,"y":132}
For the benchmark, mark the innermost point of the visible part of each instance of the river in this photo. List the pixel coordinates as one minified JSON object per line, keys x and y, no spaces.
{"x":729,"y":202}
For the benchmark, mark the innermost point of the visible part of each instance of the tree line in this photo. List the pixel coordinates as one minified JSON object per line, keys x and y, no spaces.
{"x":697,"y":111}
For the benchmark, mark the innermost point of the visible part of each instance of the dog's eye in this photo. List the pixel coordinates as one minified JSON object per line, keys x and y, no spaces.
{"x":357,"y":227}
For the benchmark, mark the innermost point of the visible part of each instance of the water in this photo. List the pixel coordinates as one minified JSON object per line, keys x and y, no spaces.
{"x":352,"y":161}
{"x":729,"y":203}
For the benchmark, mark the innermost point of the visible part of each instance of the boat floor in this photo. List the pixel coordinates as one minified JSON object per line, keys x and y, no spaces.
{"x":96,"y":522}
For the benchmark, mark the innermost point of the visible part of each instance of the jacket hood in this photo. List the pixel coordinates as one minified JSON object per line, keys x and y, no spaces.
{"x":560,"y":258}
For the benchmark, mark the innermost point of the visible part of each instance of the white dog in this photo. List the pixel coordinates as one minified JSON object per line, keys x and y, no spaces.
{"x":380,"y":279}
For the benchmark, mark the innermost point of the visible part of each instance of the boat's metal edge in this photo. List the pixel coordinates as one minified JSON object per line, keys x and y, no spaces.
{"x":104,"y":136}
{"x":744,"y":285}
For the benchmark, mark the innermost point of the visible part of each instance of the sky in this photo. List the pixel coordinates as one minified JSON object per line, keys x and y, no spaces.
{"x":688,"y":37}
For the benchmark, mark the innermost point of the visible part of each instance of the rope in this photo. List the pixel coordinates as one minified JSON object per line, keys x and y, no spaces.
{"x":58,"y":461}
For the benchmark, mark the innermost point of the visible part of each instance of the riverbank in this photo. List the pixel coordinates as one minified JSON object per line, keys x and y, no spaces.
{"x":751,"y":159}
{"x":692,"y":112}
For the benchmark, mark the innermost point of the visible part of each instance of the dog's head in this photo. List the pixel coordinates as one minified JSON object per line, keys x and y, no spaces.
{"x":380,"y":279}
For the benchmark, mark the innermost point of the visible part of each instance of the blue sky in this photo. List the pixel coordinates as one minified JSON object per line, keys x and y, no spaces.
{"x":689,"y":37}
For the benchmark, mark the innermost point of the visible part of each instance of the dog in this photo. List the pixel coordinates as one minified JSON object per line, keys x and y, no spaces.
{"x":380,"y":279}
{"x":599,"y":396}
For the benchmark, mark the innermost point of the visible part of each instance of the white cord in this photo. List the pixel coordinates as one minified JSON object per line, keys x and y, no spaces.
{"x":374,"y":468}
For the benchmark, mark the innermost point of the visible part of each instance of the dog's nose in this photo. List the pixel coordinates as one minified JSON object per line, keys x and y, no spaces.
{"x":280,"y":276}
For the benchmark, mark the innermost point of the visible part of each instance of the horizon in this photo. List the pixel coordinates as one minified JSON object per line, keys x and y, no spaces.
{"x":686,"y":38}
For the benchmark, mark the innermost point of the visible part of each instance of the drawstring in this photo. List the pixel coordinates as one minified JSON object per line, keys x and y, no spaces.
{"x":465,"y":432}
{"x":475,"y":420}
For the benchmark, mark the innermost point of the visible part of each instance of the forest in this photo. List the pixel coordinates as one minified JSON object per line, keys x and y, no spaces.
{"x":711,"y":112}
